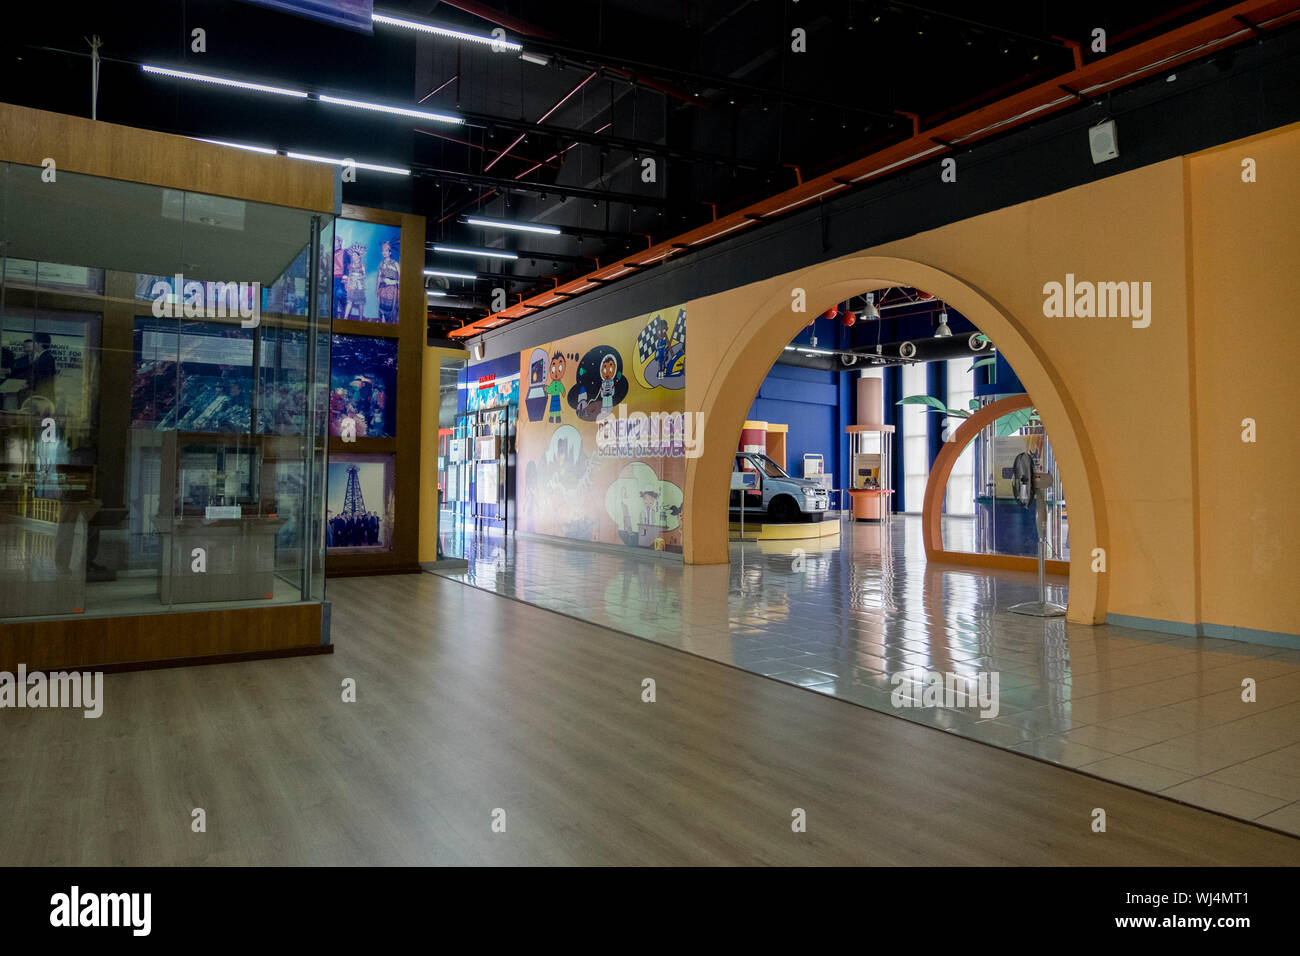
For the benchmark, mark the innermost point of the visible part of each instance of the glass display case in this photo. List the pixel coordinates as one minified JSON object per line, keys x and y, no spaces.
{"x":164,"y":396}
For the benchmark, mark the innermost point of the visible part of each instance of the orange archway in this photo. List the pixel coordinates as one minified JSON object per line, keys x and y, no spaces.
{"x":738,"y":335}
{"x":937,"y":483}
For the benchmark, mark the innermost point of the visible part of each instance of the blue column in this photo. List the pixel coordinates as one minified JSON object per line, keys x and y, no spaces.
{"x":846,"y":414}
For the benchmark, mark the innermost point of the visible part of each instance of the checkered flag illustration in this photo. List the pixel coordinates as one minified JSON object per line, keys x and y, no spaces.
{"x":649,"y":337}
{"x":679,"y":328}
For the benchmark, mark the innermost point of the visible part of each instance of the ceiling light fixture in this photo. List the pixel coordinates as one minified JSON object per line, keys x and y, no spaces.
{"x":496,"y":44}
{"x":489,"y":253}
{"x":450,"y":275}
{"x":394,"y":110}
{"x":535,"y":58}
{"x":253,"y":149}
{"x":870,"y":311}
{"x":518,"y":226}
{"x":222,"y":81}
{"x":440,"y":295}
{"x":943,"y":332}
{"x":374,"y":167}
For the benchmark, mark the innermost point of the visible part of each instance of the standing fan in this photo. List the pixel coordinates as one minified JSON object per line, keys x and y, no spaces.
{"x":1030,"y":487}
{"x":1022,"y":479}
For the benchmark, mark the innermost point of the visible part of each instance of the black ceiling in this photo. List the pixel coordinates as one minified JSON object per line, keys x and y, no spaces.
{"x":709,"y":89}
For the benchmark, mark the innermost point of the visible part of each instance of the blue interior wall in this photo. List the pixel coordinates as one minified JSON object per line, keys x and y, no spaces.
{"x":816,"y":405}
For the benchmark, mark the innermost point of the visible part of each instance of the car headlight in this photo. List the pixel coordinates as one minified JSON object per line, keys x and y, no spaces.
{"x":809,"y":492}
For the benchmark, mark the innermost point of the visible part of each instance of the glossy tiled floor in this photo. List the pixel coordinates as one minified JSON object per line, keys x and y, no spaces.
{"x":1154,"y":711}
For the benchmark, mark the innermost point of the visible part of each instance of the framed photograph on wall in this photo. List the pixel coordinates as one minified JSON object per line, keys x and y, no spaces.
{"x":360,"y":508}
{"x":363,"y":386}
{"x":367,"y":271}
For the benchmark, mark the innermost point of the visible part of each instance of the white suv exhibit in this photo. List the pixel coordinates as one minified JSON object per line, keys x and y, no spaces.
{"x":782,"y":498}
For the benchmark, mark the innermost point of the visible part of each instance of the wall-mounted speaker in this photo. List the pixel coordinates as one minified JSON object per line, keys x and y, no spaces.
{"x":1103,"y":141}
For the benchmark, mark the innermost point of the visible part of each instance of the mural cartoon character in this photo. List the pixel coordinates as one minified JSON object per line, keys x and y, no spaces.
{"x":536,"y":400}
{"x":608,"y":372}
{"x":556,"y":388}
{"x":661,"y":353}
{"x":601,"y":384}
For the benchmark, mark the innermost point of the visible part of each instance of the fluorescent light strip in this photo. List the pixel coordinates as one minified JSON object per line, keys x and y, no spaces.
{"x":396,"y":170}
{"x":489,"y":253}
{"x":395,"y":110}
{"x":439,"y":295}
{"x":222,"y":142}
{"x":222,"y":81}
{"x":450,"y":275}
{"x":518,"y":226}
{"x":498,"y":45}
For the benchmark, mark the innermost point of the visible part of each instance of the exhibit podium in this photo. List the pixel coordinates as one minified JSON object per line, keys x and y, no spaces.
{"x":871,"y":454}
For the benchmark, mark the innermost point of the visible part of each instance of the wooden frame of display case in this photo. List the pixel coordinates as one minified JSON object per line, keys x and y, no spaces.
{"x":410,"y":333}
{"x":29,"y":137}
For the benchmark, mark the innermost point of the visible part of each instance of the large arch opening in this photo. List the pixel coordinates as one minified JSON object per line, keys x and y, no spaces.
{"x":746,"y":331}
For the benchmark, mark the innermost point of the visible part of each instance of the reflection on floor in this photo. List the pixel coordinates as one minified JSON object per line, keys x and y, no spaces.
{"x":1154,"y":711}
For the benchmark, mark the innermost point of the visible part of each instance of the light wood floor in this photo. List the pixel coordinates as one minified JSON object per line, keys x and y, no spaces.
{"x":468,"y":702}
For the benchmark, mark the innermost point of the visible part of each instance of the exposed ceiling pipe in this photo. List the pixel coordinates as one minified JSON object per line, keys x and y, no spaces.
{"x":524,"y":28}
{"x":1213,"y":33}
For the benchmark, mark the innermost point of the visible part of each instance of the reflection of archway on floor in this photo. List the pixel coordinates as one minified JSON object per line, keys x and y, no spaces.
{"x":746,"y":331}
{"x":936,"y":486}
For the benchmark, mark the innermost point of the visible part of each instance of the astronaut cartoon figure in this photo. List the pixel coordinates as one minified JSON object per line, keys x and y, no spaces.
{"x":556,"y":387}
{"x":608,"y":374}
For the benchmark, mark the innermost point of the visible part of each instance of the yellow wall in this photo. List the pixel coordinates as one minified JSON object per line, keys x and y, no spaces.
{"x":1245,"y":240}
{"x":1122,"y":404}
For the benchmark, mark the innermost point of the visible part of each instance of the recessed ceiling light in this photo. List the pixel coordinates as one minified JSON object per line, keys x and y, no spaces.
{"x":516,"y":226}
{"x":222,"y":81}
{"x":254,"y":149}
{"x":394,"y":110}
{"x":395,"y":170}
{"x":489,"y":253}
{"x":435,"y":30}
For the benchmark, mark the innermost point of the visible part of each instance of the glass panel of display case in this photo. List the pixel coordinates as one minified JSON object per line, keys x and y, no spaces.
{"x":162,"y":417}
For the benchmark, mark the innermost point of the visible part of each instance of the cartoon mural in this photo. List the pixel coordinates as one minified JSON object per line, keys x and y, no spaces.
{"x":579,"y":476}
{"x":661,"y":353}
{"x":601,"y":385}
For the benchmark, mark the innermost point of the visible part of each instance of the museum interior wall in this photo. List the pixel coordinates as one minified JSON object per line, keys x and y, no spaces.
{"x":1134,"y":407}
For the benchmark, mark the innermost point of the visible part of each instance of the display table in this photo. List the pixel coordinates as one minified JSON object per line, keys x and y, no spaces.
{"x":239,"y":555}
